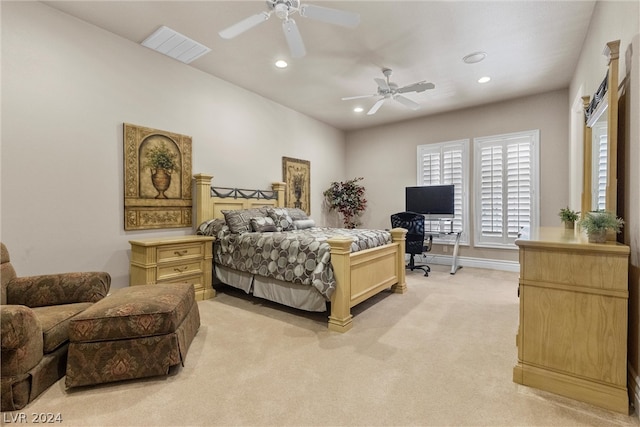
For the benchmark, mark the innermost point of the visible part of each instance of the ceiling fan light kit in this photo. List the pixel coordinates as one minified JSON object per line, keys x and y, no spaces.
{"x":284,"y":9}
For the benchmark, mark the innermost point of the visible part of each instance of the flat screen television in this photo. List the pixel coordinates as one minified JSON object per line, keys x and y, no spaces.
{"x":433,"y":201}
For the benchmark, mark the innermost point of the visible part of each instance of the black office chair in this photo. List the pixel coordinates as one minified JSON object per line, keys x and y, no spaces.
{"x":415,"y":240}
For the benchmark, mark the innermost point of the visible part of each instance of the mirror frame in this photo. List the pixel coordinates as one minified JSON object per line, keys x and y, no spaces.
{"x":592,"y":112}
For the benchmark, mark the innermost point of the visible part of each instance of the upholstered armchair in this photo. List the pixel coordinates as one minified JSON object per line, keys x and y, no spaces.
{"x":34,"y":321}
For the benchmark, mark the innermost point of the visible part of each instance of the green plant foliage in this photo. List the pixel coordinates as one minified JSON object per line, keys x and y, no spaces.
{"x":159,"y":157}
{"x":568,"y":215}
{"x":596,"y":221}
{"x":348,"y":199}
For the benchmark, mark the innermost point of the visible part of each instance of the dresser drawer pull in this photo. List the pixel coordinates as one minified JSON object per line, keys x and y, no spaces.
{"x":180,"y":253}
{"x":181,"y":269}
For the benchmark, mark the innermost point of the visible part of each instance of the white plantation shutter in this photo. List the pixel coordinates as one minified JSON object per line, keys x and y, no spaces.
{"x":491,"y":192}
{"x":442,"y":164}
{"x":430,"y":162}
{"x":599,"y":167}
{"x":519,"y":191}
{"x":506,"y":179}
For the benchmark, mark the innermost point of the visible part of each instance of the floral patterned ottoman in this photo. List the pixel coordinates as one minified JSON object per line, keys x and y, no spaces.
{"x":135,"y":332}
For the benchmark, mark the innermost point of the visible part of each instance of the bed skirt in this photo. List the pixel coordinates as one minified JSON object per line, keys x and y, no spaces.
{"x":304,"y":297}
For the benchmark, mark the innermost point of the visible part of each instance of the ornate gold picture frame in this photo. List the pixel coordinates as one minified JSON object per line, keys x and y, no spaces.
{"x":296,"y":174}
{"x":157,"y":179}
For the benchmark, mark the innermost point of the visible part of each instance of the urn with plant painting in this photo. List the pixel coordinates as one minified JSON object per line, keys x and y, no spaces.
{"x":162,"y":163}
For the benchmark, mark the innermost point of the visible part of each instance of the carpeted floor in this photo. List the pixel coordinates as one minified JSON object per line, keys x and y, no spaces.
{"x":441,"y":354}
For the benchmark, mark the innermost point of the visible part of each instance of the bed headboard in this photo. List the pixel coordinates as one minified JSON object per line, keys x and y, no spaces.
{"x":211,"y":201}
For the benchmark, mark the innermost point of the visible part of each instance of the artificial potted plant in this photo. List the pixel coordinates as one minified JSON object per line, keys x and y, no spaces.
{"x":568,"y":217}
{"x":347,"y":198}
{"x":597,"y":223}
{"x":162,"y":163}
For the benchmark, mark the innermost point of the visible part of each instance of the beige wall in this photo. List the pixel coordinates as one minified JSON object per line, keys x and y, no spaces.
{"x":621,"y":21}
{"x":67,"y":87}
{"x":386,"y":156}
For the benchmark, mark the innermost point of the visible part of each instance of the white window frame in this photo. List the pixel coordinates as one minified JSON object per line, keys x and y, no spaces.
{"x":462,"y":189}
{"x":505,"y":239}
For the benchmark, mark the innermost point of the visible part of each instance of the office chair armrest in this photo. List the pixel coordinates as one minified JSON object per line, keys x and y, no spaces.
{"x":429,"y":245}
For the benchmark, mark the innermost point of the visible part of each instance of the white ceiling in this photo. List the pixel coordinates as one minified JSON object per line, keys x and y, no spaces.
{"x":531,"y":46}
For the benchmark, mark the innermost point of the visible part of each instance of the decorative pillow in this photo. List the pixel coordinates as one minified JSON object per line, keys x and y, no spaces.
{"x":302,"y":224}
{"x":297,"y":213}
{"x":212,"y":227}
{"x":263,"y":224}
{"x":239,"y":220}
{"x":281,"y":218}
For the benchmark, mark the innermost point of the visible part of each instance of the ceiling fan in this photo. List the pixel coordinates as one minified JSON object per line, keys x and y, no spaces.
{"x":284,"y":9}
{"x":390,"y":90}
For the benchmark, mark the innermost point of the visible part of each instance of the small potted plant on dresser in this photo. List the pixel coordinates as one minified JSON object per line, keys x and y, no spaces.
{"x":598,"y":223}
{"x":568,"y":217}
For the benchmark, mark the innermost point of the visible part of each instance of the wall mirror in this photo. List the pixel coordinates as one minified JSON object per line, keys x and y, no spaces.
{"x":601,"y":140}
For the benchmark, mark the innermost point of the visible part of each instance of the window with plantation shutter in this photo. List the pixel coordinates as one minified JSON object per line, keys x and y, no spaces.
{"x":506,"y":183}
{"x":442,"y":164}
{"x":599,"y":167}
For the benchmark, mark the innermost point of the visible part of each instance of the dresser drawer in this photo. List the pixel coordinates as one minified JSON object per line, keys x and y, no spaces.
{"x":180,"y":252}
{"x":169,"y":271}
{"x":196,"y":281}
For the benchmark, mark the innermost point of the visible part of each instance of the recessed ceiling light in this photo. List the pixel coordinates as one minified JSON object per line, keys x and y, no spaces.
{"x":485,"y":79}
{"x":281,"y":63}
{"x":474,"y":57}
{"x":358,"y":109}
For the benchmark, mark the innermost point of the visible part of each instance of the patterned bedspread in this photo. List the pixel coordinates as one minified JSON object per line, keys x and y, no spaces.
{"x":299,"y":256}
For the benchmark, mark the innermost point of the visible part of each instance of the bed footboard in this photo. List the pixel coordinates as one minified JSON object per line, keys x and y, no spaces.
{"x":361,"y":275}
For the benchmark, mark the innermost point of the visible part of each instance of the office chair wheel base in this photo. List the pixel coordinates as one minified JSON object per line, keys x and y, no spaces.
{"x":426,"y":269}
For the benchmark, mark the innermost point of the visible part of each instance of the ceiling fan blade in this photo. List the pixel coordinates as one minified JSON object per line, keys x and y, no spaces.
{"x":294,"y":39}
{"x":244,"y":25}
{"x":330,"y":16}
{"x":376,"y":106}
{"x":416,"y":87}
{"x":382,"y":84}
{"x":406,"y":102}
{"x":358,"y":97}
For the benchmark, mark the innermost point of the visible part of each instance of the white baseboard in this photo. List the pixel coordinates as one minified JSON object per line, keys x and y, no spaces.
{"x":493,"y":264}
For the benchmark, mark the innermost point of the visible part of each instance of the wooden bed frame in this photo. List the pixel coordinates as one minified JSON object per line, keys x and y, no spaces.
{"x":359,"y":275}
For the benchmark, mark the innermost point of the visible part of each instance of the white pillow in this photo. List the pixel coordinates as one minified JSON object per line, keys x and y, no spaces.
{"x":302,"y":224}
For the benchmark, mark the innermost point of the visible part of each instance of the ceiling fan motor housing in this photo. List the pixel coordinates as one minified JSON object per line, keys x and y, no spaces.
{"x":283,"y":8}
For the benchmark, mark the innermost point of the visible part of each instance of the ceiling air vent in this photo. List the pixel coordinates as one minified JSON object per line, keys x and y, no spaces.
{"x":175,"y":45}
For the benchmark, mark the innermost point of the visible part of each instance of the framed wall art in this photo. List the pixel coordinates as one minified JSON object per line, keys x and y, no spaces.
{"x":157,"y":179}
{"x":296,"y":174}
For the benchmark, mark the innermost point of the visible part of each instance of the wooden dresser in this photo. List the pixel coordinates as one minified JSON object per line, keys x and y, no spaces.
{"x":185,"y":259}
{"x":572,"y":337}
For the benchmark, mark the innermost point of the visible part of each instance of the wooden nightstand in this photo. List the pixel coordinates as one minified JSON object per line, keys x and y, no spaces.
{"x":185,"y":259}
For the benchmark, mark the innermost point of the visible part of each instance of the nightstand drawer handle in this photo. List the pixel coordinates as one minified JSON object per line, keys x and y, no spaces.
{"x":181,"y":270}
{"x":180,"y":253}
